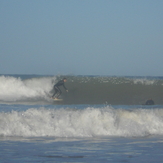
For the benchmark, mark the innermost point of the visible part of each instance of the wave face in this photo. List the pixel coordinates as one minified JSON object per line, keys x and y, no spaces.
{"x":82,"y":90}
{"x":87,"y":122}
{"x":115,"y":90}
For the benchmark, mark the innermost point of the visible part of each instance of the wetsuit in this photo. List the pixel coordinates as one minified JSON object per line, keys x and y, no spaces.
{"x":57,"y":89}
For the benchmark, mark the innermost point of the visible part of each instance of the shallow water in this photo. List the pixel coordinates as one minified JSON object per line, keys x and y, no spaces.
{"x":99,"y":149}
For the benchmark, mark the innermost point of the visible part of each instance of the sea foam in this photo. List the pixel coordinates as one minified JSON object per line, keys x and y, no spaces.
{"x":88,"y":122}
{"x":13,"y":89}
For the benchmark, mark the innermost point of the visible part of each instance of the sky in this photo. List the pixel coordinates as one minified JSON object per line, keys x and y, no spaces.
{"x":81,"y":37}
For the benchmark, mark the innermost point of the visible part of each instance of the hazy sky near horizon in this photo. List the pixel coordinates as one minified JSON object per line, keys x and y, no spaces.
{"x":81,"y":37}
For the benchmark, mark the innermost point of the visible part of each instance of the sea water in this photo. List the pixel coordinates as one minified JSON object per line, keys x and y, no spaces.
{"x":34,"y":128}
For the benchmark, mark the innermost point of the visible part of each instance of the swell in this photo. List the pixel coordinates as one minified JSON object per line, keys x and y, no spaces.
{"x":82,"y":90}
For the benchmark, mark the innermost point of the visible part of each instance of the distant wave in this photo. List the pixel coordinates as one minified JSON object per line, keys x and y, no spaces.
{"x":82,"y":89}
{"x":88,"y":122}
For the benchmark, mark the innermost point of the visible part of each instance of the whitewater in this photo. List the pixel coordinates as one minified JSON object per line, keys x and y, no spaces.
{"x":85,"y":122}
{"x":32,"y":89}
{"x":101,"y":119}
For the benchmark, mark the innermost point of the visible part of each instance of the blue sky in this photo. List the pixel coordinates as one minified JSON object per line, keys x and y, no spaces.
{"x":81,"y":37}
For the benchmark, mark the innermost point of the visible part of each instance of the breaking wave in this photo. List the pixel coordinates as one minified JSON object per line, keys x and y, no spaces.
{"x":87,"y":122}
{"x":82,"y":89}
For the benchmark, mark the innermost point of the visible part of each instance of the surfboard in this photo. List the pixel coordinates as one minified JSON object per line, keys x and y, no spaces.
{"x":58,"y":99}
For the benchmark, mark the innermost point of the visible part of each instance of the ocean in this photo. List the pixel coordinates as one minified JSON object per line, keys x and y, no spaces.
{"x":101,"y":119}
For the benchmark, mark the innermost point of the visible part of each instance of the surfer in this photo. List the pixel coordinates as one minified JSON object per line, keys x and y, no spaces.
{"x":149,"y":102}
{"x":56,"y":88}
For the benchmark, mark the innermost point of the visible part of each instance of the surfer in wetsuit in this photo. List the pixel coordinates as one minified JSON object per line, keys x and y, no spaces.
{"x":149,"y":102}
{"x":57,"y":89}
